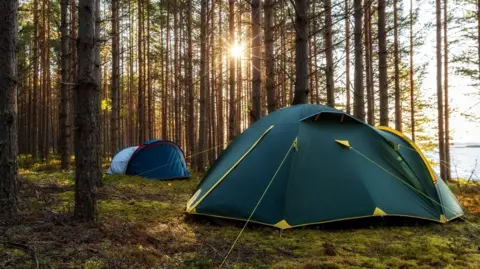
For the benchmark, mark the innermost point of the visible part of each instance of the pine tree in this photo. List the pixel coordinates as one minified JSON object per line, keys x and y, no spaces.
{"x":64,"y":90}
{"x":329,"y":53}
{"x":358,"y":101}
{"x":383,"y":79}
{"x":301,"y":53}
{"x":256,"y":62}
{"x":269,"y":56}
{"x":87,"y":126}
{"x":8,"y":102}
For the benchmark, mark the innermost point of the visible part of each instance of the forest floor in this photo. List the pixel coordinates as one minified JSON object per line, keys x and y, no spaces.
{"x":142,"y":224}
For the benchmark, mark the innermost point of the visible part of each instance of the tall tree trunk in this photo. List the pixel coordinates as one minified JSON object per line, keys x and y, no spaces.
{"x":176,"y":69}
{"x":131,"y":117}
{"x":43,"y":57}
{"x":34,"y":134}
{"x":301,"y":53}
{"x":213,"y":85}
{"x":48,"y":86}
{"x":165,"y":128}
{"x":478,"y":36}
{"x":191,"y":87}
{"x":8,"y":102}
{"x":115,"y":91}
{"x":347,"y":55}
{"x":73,"y":65}
{"x":256,"y":62}
{"x":141,"y":90}
{"x":202,"y":139}
{"x":283,"y":53}
{"x":368,"y":65}
{"x":98,"y":71}
{"x":398,"y":107}
{"x":329,"y":53}
{"x":220,"y":76}
{"x":412,"y":83}
{"x":269,"y":56}
{"x":441,"y":138}
{"x":150,"y":109}
{"x":87,"y":129}
{"x":231,"y":116}
{"x":64,"y":91}
{"x":359,"y":103}
{"x":383,"y":76}
{"x":448,"y":174}
{"x":239,"y":77}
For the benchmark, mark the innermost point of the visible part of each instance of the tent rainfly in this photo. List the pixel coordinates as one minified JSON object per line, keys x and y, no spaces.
{"x":156,"y":159}
{"x":311,"y":164}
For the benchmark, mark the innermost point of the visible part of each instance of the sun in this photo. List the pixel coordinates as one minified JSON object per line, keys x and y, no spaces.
{"x":237,"y":50}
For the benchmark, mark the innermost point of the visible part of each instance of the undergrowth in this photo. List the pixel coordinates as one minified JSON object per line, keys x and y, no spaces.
{"x":142,"y":224}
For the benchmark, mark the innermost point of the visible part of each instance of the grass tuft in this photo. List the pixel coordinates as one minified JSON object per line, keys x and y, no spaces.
{"x":142,"y":224}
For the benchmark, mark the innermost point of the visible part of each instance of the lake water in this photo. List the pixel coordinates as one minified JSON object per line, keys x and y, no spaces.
{"x":465,"y":161}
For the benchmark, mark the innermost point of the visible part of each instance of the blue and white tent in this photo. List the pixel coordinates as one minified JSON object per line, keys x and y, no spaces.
{"x":156,"y":159}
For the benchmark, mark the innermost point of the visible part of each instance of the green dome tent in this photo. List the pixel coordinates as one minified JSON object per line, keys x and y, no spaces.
{"x":311,"y":164}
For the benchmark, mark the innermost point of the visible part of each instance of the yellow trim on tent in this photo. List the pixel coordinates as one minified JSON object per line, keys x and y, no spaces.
{"x":231,"y":218}
{"x":412,"y":144}
{"x":321,"y":222}
{"x":443,"y":219}
{"x":378,"y":212}
{"x":283,"y":224}
{"x":363,"y":217}
{"x":344,"y":143}
{"x":189,"y":209}
{"x":454,"y":217}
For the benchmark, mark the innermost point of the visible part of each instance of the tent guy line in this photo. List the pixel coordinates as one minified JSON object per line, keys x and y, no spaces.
{"x":258,"y":203}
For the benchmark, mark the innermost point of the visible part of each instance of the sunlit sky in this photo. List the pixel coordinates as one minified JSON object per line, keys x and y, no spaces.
{"x":461,"y":93}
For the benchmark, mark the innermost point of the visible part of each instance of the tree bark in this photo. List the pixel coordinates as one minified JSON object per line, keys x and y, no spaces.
{"x":448,"y":174}
{"x":202,"y":139}
{"x":478,"y":36}
{"x":115,"y":87}
{"x":329,"y":53}
{"x":412,"y":83}
{"x":368,"y":66}
{"x":383,"y":76}
{"x":150,"y":104}
{"x":64,"y":91}
{"x":347,"y":55}
{"x":220,"y":92}
{"x":398,"y":107}
{"x":87,"y":129}
{"x":231,"y":116}
{"x":359,"y":103}
{"x":269,"y":56}
{"x":441,"y":138}
{"x":191,"y":87}
{"x":34,"y":134}
{"x":141,"y":91}
{"x":301,"y":53}
{"x":167,"y":77}
{"x":8,"y":102}
{"x":256,"y":113}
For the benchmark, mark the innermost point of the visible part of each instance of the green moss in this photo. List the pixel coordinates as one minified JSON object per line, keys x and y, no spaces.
{"x":142,"y":223}
{"x":94,"y":264}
